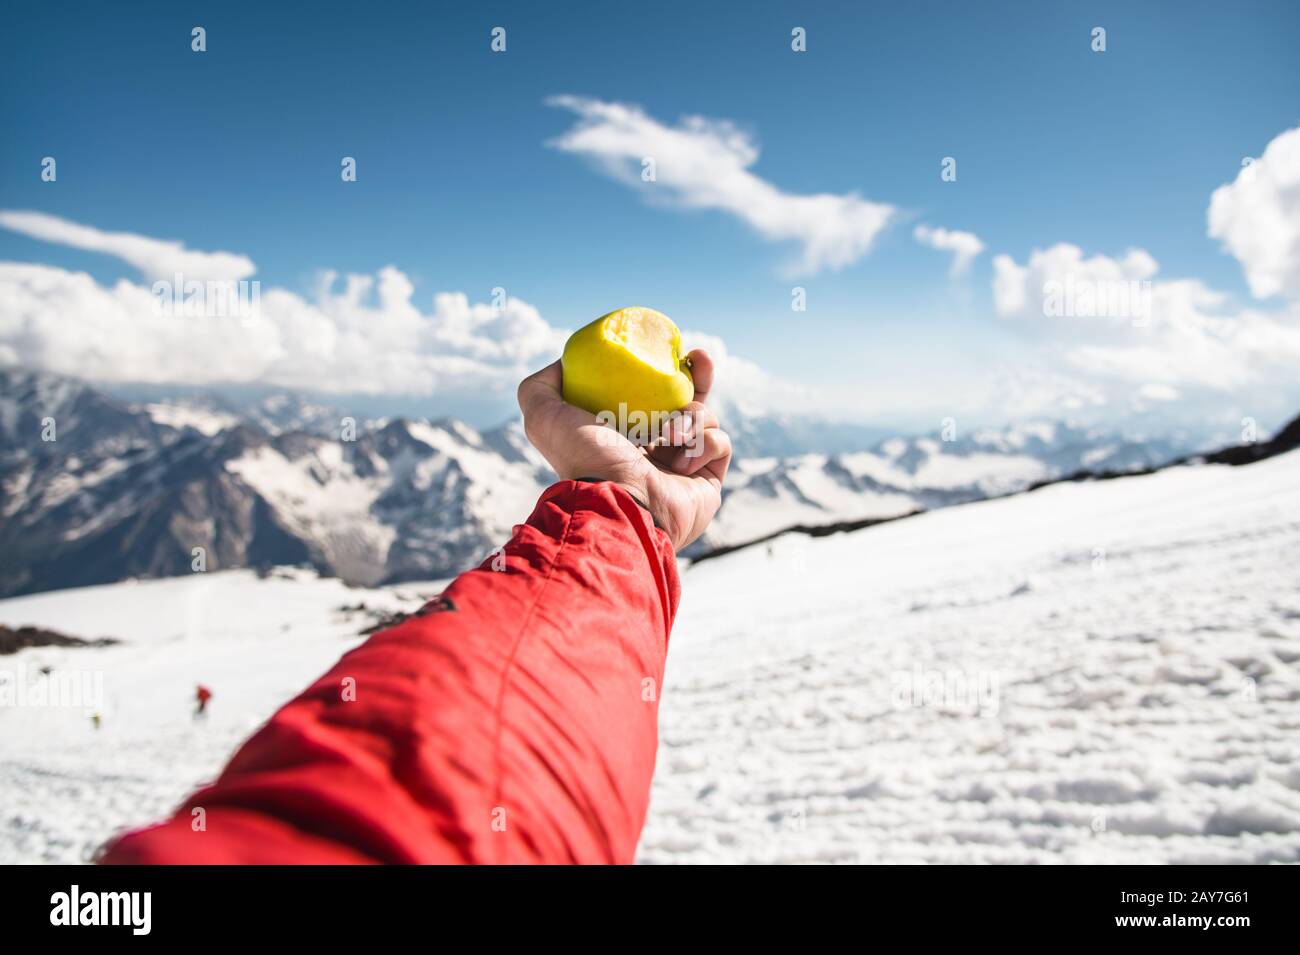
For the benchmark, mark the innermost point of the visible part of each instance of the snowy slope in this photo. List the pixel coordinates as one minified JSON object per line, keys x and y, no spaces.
{"x":1106,"y":672}
{"x":1103,"y":672}
{"x":65,"y":786}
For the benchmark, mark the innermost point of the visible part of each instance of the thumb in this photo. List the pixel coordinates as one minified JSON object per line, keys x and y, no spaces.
{"x":541,"y":388}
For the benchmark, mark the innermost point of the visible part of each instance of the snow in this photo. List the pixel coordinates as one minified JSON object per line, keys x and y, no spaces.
{"x":1094,"y":456}
{"x":501,"y":492}
{"x":179,"y":415}
{"x":770,"y":495}
{"x":1102,"y":672}
{"x":15,"y":491}
{"x":1020,"y":435}
{"x":894,"y":447}
{"x":1106,"y":673}
{"x":753,"y":466}
{"x":864,"y":464}
{"x":992,"y":473}
{"x":322,"y":499}
{"x":65,"y":787}
{"x":808,"y":494}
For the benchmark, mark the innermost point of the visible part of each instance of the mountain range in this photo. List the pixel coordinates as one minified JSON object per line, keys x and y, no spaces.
{"x":96,"y":488}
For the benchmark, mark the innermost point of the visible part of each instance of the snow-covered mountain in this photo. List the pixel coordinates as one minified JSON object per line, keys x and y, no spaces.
{"x":275,"y":413}
{"x":131,"y":489}
{"x":1093,"y":672}
{"x":899,"y":475}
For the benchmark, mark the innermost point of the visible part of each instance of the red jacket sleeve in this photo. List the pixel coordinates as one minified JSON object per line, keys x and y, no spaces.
{"x":514,"y":719}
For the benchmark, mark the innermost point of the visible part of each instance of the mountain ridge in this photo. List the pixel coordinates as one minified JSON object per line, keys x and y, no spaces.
{"x":164,"y":486}
{"x":1286,"y":439}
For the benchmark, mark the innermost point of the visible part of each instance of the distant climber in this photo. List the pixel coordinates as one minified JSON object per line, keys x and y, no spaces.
{"x":201,"y":695}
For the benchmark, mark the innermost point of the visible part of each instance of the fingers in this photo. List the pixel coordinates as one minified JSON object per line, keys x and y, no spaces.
{"x":701,"y":373}
{"x":712,"y":451}
{"x":682,"y":425}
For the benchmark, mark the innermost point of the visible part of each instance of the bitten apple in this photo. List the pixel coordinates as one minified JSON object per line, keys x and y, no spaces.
{"x":628,"y":369}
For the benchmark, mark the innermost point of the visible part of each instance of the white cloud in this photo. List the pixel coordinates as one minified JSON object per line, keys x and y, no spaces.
{"x":1257,"y":217}
{"x":964,"y":246}
{"x":1173,"y":334}
{"x":1187,"y":344}
{"x":1029,"y":390}
{"x":366,"y":338}
{"x":1152,"y":392}
{"x":705,"y":164}
{"x":1022,"y":291}
{"x":353,"y":334}
{"x":155,"y":258}
{"x":361,"y":334}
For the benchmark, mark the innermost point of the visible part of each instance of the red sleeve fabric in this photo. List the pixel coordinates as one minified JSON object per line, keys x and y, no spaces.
{"x":513,"y":720}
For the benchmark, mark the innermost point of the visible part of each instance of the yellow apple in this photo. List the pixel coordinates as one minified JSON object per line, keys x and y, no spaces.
{"x":628,"y":369}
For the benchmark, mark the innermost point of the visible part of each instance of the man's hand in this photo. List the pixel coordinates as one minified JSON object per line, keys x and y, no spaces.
{"x":679,"y":480}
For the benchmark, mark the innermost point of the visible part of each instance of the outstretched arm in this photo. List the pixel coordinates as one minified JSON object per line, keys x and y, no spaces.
{"x":514,"y":719}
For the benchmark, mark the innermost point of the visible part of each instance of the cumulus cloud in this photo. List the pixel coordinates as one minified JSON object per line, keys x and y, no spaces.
{"x":705,"y":164}
{"x":1146,"y":339}
{"x":1152,"y":392}
{"x":1030,"y":390}
{"x":1111,"y":319}
{"x":361,"y":334}
{"x":964,"y":246}
{"x":1031,"y":290}
{"x":365,"y":338}
{"x":350,"y":334}
{"x":354,"y":334}
{"x":155,"y":258}
{"x":1257,"y":217}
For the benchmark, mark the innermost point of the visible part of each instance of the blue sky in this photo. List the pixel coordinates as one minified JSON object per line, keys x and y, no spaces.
{"x":238,"y":149}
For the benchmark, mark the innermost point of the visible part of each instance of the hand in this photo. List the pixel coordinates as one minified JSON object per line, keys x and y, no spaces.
{"x":679,"y":479}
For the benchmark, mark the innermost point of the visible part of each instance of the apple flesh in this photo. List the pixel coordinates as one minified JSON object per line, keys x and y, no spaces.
{"x":628,"y":369}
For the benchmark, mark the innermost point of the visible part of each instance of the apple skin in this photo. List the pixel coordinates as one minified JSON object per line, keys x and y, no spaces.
{"x":604,"y":377}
